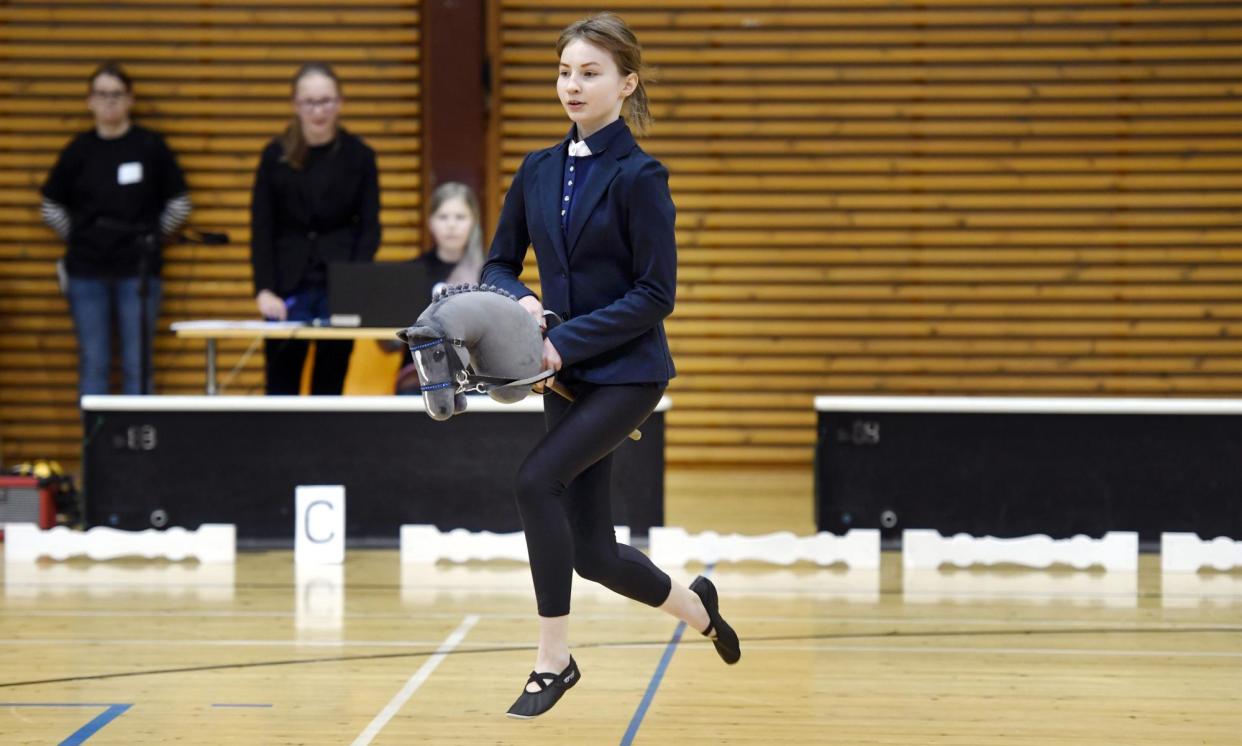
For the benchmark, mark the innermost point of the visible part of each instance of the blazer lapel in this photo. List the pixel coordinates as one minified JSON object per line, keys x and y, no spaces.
{"x":549,"y":180}
{"x":617,"y":147}
{"x":592,"y":192}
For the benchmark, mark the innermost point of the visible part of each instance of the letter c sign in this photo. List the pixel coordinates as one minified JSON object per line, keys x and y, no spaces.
{"x":319,"y":530}
{"x":312,"y":524}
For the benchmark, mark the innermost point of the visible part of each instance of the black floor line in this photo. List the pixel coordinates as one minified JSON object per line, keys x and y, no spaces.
{"x":890,"y":635}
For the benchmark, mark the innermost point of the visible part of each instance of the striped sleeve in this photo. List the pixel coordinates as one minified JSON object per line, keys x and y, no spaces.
{"x":56,"y":217}
{"x":176,"y":211}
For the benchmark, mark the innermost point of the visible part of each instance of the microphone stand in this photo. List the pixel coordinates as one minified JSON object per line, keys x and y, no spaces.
{"x":148,"y":246}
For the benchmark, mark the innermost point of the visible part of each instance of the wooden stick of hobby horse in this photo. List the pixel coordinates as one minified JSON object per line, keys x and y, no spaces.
{"x":551,"y":321}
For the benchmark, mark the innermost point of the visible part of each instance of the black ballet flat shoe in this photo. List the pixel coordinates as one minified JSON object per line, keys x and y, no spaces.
{"x":725,"y":639}
{"x":551,"y":687}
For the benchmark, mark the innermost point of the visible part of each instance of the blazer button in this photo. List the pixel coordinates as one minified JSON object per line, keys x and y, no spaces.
{"x":561,"y":275}
{"x":312,"y":235}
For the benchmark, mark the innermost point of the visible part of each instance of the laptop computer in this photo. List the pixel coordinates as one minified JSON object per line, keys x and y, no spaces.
{"x":377,"y":294}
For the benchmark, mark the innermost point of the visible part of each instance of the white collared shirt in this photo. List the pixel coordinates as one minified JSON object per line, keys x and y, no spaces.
{"x":579,"y":149}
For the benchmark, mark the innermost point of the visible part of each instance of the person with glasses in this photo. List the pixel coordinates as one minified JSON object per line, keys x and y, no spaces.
{"x":114,"y":193}
{"x":316,"y":200}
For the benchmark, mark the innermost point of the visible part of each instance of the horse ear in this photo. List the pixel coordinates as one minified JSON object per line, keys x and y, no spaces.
{"x":416,"y":333}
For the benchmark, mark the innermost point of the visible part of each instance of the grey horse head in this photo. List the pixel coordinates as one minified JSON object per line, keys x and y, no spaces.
{"x":468,"y":331}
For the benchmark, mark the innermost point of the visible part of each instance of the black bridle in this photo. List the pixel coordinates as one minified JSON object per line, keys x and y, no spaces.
{"x":462,"y":378}
{"x":459,"y":376}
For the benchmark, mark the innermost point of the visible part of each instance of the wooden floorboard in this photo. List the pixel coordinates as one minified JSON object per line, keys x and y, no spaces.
{"x":258,"y":653}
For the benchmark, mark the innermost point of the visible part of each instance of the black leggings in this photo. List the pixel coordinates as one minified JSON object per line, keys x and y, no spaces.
{"x":564,"y":496}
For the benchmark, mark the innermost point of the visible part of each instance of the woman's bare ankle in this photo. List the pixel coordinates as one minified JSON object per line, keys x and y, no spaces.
{"x":700,"y":619}
{"x":552,"y":661}
{"x":686,"y":605}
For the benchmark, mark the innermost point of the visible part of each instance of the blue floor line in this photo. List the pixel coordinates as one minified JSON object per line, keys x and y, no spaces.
{"x":56,"y":704}
{"x":91,"y":728}
{"x":656,"y":677}
{"x":652,"y":686}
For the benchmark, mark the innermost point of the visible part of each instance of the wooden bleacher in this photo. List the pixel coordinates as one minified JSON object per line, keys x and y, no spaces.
{"x":215,"y":79}
{"x":971,"y":197}
{"x":967,"y":197}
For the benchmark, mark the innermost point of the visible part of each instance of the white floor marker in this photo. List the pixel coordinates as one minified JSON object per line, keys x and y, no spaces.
{"x":420,"y":676}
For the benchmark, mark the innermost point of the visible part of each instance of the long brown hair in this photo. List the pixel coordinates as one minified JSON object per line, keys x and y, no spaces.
{"x":293,"y":142}
{"x":608,"y":32}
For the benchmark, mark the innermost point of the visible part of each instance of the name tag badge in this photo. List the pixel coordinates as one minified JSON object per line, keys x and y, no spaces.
{"x":129,"y":173}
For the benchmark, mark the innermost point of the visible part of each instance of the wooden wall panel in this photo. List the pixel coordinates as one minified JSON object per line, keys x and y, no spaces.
{"x":213,"y":76}
{"x":959,"y":197}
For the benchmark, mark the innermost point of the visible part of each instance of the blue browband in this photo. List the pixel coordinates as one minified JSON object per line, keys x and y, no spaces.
{"x":454,"y":363}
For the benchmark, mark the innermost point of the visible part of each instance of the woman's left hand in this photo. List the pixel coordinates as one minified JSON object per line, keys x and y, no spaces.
{"x":551,"y":361}
{"x":532,"y":306}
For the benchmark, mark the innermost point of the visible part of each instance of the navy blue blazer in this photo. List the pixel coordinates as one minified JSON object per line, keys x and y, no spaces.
{"x":613,"y":278}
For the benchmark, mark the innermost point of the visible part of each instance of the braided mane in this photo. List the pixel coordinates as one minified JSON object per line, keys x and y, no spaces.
{"x":450,"y":290}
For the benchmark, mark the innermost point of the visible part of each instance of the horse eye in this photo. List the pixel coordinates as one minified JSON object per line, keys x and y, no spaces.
{"x":438,"y":355}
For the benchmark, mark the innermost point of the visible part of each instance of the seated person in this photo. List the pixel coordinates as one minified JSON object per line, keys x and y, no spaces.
{"x":456,"y":257}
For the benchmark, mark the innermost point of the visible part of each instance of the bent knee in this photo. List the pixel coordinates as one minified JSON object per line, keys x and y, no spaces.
{"x":595,"y":566}
{"x":533,"y":485}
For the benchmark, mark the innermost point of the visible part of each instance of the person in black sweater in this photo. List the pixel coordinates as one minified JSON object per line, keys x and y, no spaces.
{"x":114,"y":193}
{"x":316,"y":200}
{"x":457,"y":255}
{"x":455,"y":258}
